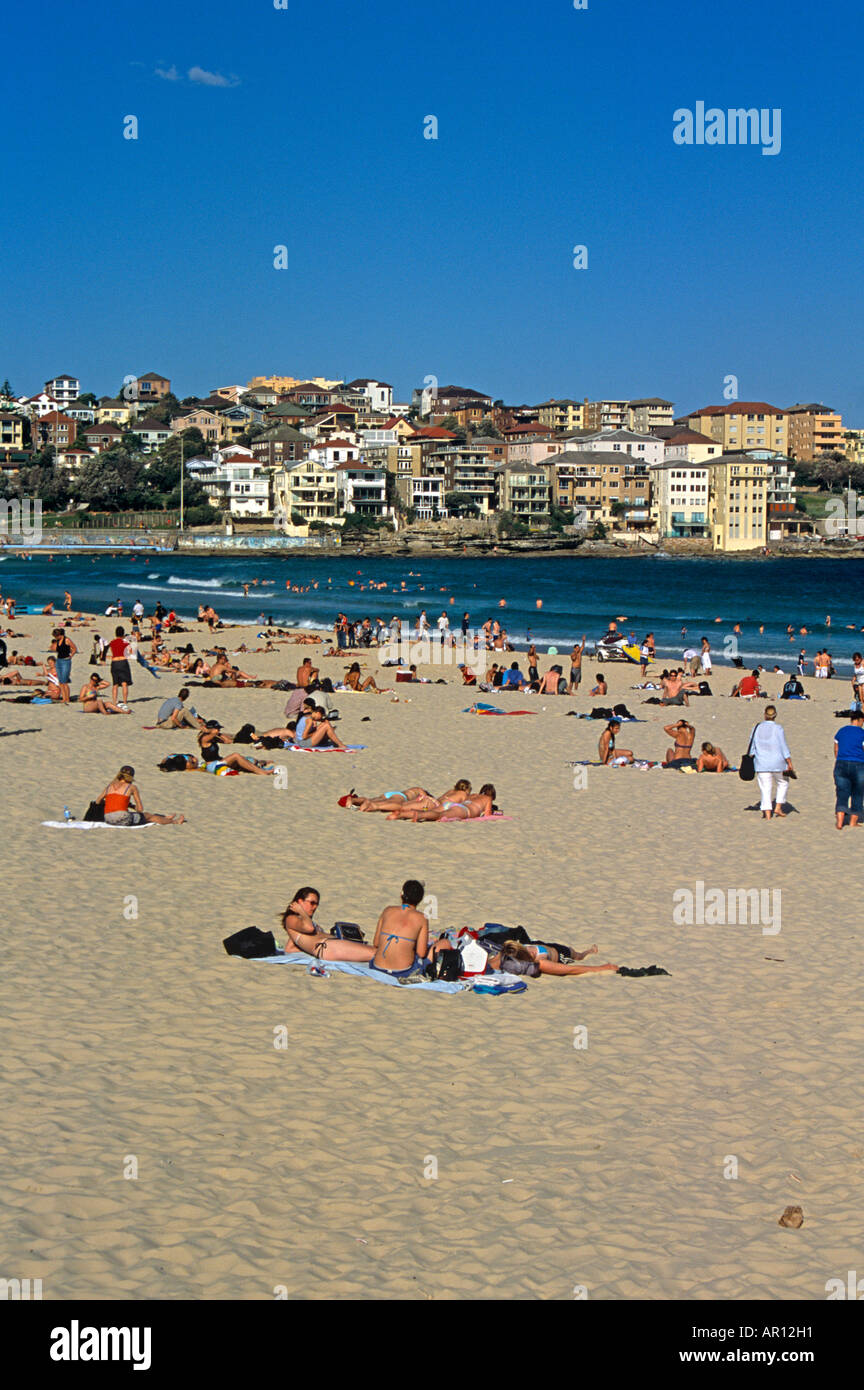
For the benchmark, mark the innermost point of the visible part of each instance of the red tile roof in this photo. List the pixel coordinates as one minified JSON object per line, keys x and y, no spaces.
{"x":738,"y":408}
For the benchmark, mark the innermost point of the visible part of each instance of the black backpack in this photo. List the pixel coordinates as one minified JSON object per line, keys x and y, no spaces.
{"x":347,"y":931}
{"x":704,"y":688}
{"x":448,"y":965}
{"x":250,"y":943}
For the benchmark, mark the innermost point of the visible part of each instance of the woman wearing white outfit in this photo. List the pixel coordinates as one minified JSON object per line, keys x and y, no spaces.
{"x":772,"y":762}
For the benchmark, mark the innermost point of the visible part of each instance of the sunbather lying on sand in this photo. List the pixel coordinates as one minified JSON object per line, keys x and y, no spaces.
{"x":413,"y":798}
{"x":547,"y":959}
{"x":472,"y":808}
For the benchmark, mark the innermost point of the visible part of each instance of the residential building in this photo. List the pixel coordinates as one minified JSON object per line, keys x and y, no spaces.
{"x":362,"y":490}
{"x":102,"y":437}
{"x":378,"y":395}
{"x":331,"y":452}
{"x":113,"y":412}
{"x":339,"y":419}
{"x":469,"y":471}
{"x":84,"y":414}
{"x":739,"y":501}
{"x":494,"y":448}
{"x":11,"y":430}
{"x":313,"y":396}
{"x":644,"y":416}
{"x":813,"y":430}
{"x":234,"y":482}
{"x":615,"y":488}
{"x":690,"y":446}
{"x":74,"y":459}
{"x":209,"y":422}
{"x":527,"y":450}
{"x":229,"y":393}
{"x":645,"y":447}
{"x":151,"y":432}
{"x":281,"y":384}
{"x":152,"y":386}
{"x":279,"y":446}
{"x":742,"y":425}
{"x":35,"y":406}
{"x":853,"y":445}
{"x":605,"y":415}
{"x":526,"y":491}
{"x":424,"y":494}
{"x":680,"y":496}
{"x":54,"y":431}
{"x":561,"y":415}
{"x":306,"y":488}
{"x":64,"y":389}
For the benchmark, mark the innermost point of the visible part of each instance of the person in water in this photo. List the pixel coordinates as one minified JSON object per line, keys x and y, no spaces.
{"x":117,"y":796}
{"x":304,"y":933}
{"x":401,"y":942}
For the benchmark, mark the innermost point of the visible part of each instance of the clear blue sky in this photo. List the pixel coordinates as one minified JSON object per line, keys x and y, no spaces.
{"x":453,"y":257}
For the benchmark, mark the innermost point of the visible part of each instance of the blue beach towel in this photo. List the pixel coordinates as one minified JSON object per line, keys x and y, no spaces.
{"x":350,"y":967}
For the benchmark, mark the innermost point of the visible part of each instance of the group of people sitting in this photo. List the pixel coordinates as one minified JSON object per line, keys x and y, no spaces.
{"x":680,"y":754}
{"x":401,"y":946}
{"x":417,"y":804}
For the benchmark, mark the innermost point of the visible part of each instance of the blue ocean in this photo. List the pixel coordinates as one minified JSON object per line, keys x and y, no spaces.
{"x":550,"y":600}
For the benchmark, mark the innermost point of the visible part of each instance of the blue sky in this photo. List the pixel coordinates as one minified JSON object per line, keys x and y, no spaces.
{"x":411,"y":257}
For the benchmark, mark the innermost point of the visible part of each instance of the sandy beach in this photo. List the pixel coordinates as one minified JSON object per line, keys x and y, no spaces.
{"x":299,"y":1171}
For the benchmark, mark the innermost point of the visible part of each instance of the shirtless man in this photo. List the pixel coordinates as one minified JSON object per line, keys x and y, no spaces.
{"x":401,"y":940}
{"x":305,"y":935}
{"x":673,"y":689}
{"x":711,"y":759}
{"x":683,"y":735}
{"x":307,"y":674}
{"x":472,"y":808}
{"x":576,"y":667}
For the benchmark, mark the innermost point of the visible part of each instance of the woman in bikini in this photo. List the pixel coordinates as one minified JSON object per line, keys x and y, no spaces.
{"x":611,"y":756}
{"x":354,"y":681}
{"x":471,"y":808}
{"x":547,"y":959}
{"x":117,"y":796}
{"x":304,"y":934}
{"x":417,"y":798}
{"x":683,"y":734}
{"x":93,"y":702}
{"x":401,"y":941}
{"x":208,"y":741}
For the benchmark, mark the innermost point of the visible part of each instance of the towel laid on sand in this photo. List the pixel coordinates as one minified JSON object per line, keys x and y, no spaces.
{"x":349,"y":748}
{"x":94,"y":825}
{"x":493,"y":709}
{"x":351,"y":967}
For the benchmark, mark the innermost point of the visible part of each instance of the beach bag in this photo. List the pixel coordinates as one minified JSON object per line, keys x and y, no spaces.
{"x":704,"y":688}
{"x":246,"y":734}
{"x":95,"y":811}
{"x":448,"y":965}
{"x":347,"y":931}
{"x":475,"y":959}
{"x":250,"y":943}
{"x":747,"y":770}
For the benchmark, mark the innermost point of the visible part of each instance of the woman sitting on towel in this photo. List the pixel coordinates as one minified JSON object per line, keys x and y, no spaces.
{"x":683,"y":735}
{"x":318,"y":732}
{"x":611,"y":756}
{"x":208,"y":741}
{"x":117,"y":796}
{"x":402,"y":935}
{"x":304,"y":934}
{"x":472,"y":808}
{"x":354,"y":680}
{"x":93,"y":702}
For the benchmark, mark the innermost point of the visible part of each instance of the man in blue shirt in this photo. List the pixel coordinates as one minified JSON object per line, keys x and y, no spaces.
{"x":849,"y":771}
{"x":513,"y":679}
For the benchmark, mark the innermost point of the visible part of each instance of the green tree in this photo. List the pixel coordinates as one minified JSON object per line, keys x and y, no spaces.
{"x":111,"y":481}
{"x":6,"y":390}
{"x":488,"y":428}
{"x":510,"y":526}
{"x":460,"y":504}
{"x":46,"y":480}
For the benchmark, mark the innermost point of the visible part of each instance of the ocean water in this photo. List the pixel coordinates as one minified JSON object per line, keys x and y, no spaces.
{"x":551,"y":600}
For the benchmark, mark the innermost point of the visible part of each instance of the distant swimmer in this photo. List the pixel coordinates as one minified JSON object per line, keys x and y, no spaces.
{"x":538,"y":603}
{"x":828,"y":620}
{"x":502,"y":603}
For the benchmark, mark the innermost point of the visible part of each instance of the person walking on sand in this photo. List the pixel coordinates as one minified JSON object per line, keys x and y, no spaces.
{"x":849,"y":771}
{"x":120,"y":647}
{"x":773,"y":764}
